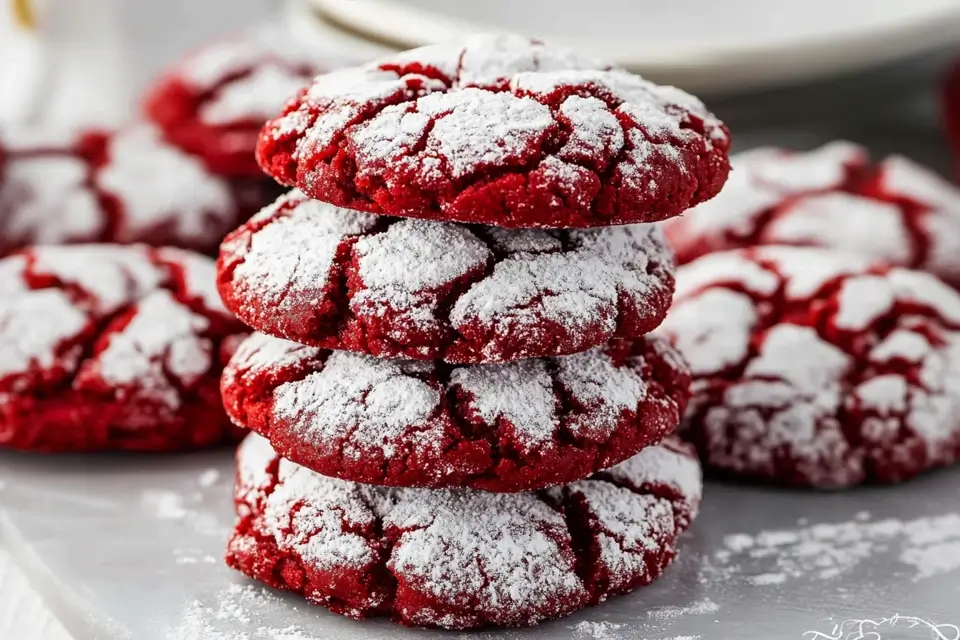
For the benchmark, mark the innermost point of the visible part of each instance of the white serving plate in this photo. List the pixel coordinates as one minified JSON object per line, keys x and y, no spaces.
{"x":700,"y":45}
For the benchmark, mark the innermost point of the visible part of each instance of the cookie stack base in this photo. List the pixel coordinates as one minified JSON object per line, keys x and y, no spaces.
{"x":459,"y":558}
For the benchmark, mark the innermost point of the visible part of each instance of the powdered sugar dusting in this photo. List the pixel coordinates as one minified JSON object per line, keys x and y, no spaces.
{"x":520,"y":393}
{"x":159,"y":185}
{"x":400,"y":267}
{"x":295,"y":252}
{"x":112,"y":276}
{"x":32,"y":327}
{"x":594,"y":381}
{"x":47,"y":199}
{"x":371,"y":399}
{"x":838,"y":220}
{"x":767,"y":386}
{"x":924,"y":548}
{"x":160,"y":350}
{"x":575,"y":288}
{"x":257,"y":97}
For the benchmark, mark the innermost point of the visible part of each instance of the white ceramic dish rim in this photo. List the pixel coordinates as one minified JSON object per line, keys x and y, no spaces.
{"x":715,"y":67}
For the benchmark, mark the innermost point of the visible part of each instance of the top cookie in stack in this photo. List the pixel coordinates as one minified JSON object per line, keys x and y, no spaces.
{"x":500,"y":131}
{"x":456,"y":298}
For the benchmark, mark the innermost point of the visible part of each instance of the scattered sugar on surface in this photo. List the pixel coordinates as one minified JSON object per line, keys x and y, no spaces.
{"x":603,"y":630}
{"x":924,"y":548}
{"x":699,"y":608}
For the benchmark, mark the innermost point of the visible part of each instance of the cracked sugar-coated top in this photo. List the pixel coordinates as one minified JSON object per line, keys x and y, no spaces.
{"x":106,"y":347}
{"x":504,"y":427}
{"x":897,"y":211}
{"x":321,"y":275}
{"x":125,"y":187}
{"x":460,"y":558}
{"x":214,"y":102}
{"x":814,"y":367}
{"x":499,"y":130}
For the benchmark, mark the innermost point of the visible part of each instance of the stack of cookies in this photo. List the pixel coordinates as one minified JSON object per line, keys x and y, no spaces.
{"x":458,"y":418}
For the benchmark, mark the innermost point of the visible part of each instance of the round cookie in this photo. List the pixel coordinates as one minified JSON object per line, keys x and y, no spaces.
{"x":500,"y":130}
{"x":459,"y":558}
{"x":896,"y":211}
{"x":111,"y":348}
{"x":123,"y":187}
{"x":213,"y":103}
{"x":817,"y":368}
{"x":393,"y":287}
{"x":507,"y":427}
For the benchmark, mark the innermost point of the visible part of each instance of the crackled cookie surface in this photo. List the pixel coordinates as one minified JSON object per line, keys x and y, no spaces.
{"x":124,"y":187}
{"x":460,"y":558}
{"x":214,"y":102}
{"x":111,"y":348}
{"x":502,"y":131}
{"x":897,"y":210}
{"x":321,"y":275}
{"x":813,"y":367}
{"x":500,"y":427}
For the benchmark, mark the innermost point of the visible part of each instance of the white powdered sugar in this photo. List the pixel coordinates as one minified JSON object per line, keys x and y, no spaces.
{"x":602,"y":388}
{"x":665,"y":466}
{"x":841,"y":220}
{"x":794,"y":382}
{"x":924,"y":548}
{"x":360,"y":403}
{"x":199,"y":276}
{"x":795,"y":173}
{"x":159,"y":185}
{"x":401,"y":267}
{"x":595,"y":129}
{"x":904,"y":178}
{"x":47,"y":199}
{"x":32,"y":327}
{"x":295,"y":251}
{"x":504,"y":546}
{"x":257,"y":96}
{"x":519,"y":392}
{"x":158,"y":350}
{"x":160,"y":342}
{"x":576,"y":288}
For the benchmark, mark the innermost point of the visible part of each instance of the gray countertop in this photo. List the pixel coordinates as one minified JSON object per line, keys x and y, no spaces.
{"x":131,"y":547}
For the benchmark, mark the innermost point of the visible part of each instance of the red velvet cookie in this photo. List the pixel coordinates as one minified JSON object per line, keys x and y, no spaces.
{"x":111,"y":348}
{"x":507,"y":427}
{"x":214,"y":102}
{"x":122,"y":187}
{"x":502,"y":131}
{"x":814,"y":367}
{"x":459,"y":558}
{"x":336,"y":278}
{"x":897,"y":211}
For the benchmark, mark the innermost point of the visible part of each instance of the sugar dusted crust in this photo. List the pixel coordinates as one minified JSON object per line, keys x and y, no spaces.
{"x":111,"y":348}
{"x":505,"y":427}
{"x":125,"y":187}
{"x":325,"y":276}
{"x":500,"y":131}
{"x":812,"y":367}
{"x":458,"y":558}
{"x":897,"y":210}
